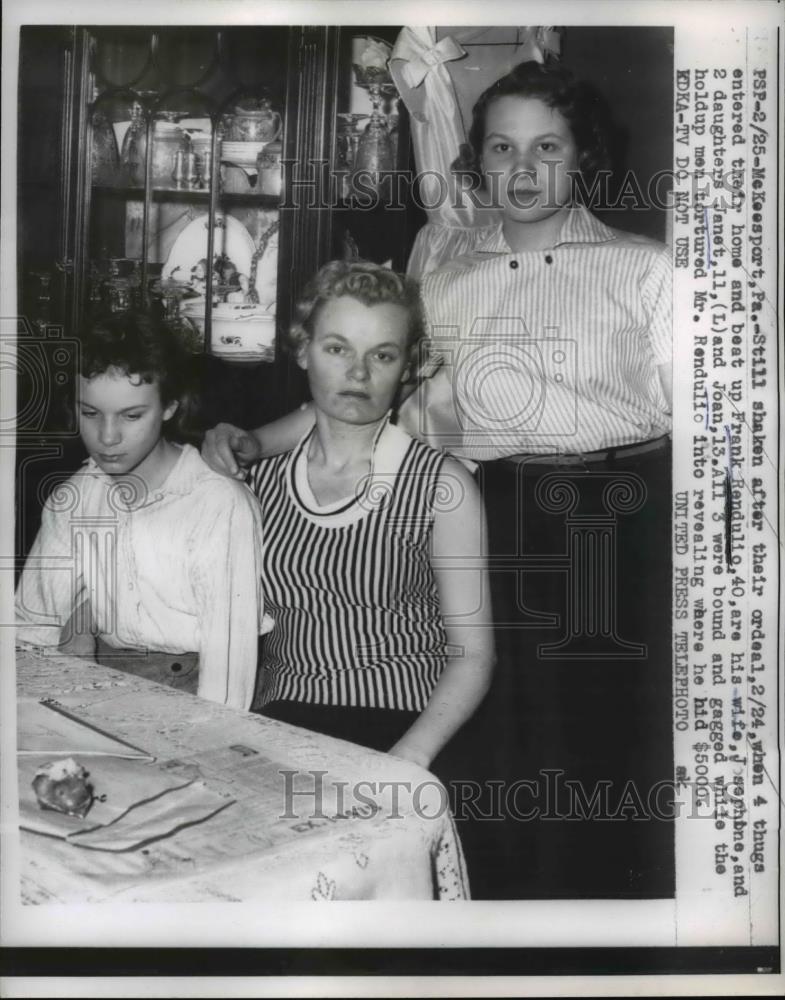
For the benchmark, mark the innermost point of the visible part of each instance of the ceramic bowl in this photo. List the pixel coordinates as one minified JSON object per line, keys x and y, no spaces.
{"x":238,"y":330}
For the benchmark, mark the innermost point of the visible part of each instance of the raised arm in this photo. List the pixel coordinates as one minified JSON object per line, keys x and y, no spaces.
{"x":459,"y":562}
{"x":228,"y":449}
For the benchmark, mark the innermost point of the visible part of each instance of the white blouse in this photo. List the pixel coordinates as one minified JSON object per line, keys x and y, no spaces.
{"x":546,"y":351}
{"x":175,"y":570}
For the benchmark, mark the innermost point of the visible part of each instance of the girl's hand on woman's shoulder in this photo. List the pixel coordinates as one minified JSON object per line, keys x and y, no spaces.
{"x":226,"y":448}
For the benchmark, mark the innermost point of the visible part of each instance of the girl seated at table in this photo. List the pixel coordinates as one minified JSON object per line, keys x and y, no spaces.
{"x":374,"y":555}
{"x":162,"y":553}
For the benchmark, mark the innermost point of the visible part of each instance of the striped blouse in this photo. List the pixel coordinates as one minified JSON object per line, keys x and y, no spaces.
{"x":549,"y":350}
{"x":350,"y":584}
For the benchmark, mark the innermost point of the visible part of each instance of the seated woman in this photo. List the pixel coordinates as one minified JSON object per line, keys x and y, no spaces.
{"x":163,"y":553}
{"x":374,"y":543}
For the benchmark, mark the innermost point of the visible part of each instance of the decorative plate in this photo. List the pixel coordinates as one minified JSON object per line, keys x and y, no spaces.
{"x":230,"y":238}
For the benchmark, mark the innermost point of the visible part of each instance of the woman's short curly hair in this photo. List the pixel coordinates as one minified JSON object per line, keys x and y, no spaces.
{"x":369,"y":283}
{"x":143,"y":347}
{"x":580,"y":104}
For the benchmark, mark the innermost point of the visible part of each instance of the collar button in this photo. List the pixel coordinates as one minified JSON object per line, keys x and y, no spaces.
{"x":548,"y":258}
{"x":514,"y":265}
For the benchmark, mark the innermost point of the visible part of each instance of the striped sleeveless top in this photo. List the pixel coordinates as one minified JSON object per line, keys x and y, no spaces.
{"x":350,"y":585}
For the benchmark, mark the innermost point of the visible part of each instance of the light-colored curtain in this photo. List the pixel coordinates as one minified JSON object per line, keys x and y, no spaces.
{"x":440,"y":73}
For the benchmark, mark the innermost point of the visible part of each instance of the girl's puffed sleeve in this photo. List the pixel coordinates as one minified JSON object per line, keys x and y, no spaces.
{"x":226,"y":578}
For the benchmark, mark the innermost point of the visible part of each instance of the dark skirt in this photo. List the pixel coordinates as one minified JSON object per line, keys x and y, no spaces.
{"x":579,"y":736}
{"x":377,"y":728}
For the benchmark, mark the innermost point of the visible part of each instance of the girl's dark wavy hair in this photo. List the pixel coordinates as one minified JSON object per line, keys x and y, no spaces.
{"x":143,"y":347}
{"x":365,"y":281}
{"x":579,"y":103}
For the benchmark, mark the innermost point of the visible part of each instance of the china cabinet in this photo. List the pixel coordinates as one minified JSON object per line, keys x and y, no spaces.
{"x":204,"y":172}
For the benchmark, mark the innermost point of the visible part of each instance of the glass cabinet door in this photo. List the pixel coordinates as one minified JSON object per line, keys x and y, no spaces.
{"x":172,"y":167}
{"x":374,"y":215}
{"x":184,"y":128}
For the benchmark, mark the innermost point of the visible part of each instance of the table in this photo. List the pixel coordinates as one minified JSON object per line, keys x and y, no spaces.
{"x":355,"y":824}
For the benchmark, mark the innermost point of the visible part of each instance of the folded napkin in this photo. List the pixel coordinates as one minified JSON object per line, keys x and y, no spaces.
{"x":135,"y":803}
{"x":45,"y":728}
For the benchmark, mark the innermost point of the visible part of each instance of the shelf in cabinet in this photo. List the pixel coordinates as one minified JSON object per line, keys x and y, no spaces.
{"x":189,"y":195}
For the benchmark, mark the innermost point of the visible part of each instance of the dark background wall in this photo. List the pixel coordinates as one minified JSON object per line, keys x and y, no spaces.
{"x":633,"y":68}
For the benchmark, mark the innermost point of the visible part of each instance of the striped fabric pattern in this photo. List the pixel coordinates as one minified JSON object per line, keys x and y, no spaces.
{"x":350,"y":586}
{"x":547,"y":351}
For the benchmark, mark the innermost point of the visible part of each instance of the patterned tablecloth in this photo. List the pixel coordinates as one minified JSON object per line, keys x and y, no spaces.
{"x":301,"y":816}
